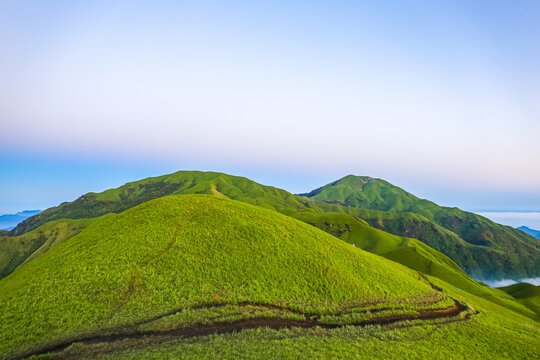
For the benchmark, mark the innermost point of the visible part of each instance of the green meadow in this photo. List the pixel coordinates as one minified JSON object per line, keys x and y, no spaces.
{"x":208,"y":265}
{"x":179,"y":252}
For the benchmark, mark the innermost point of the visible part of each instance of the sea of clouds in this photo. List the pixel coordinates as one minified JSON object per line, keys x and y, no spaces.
{"x":506,"y":282}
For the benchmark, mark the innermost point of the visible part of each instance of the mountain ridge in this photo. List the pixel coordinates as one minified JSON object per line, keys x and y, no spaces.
{"x":483,"y":249}
{"x":528,"y":230}
{"x":194,"y":264}
{"x":392,"y":209}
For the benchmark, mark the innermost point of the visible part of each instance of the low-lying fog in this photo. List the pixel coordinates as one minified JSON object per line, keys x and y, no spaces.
{"x":506,"y":282}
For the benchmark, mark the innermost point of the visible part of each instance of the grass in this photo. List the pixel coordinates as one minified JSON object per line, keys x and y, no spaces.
{"x":521,"y":290}
{"x":484,"y":249}
{"x":178,"y":252}
{"x":179,"y":183}
{"x":350,"y":224}
{"x":526,"y":294}
{"x":411,"y":253}
{"x":494,"y":333}
{"x":17,"y":250}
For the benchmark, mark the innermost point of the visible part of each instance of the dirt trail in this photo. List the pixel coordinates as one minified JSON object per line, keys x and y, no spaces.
{"x":131,"y":332}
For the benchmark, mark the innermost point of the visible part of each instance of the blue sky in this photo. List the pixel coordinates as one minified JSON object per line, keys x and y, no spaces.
{"x":440,"y":98}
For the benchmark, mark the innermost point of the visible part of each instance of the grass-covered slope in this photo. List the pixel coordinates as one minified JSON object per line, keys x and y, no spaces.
{"x":16,"y":250}
{"x":179,"y":183}
{"x":367,"y":193}
{"x":219,"y":185}
{"x":521,"y":290}
{"x":491,"y":333}
{"x":481,"y":262}
{"x":485,"y":250}
{"x":488,"y":250}
{"x":180,"y":252}
{"x":526,"y":294}
{"x":409,"y":252}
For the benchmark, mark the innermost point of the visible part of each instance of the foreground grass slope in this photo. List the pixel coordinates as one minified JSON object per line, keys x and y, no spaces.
{"x":180,"y":252}
{"x":492,"y":333}
{"x":480,"y":246}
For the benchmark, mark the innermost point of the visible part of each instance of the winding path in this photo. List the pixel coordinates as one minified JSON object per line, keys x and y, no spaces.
{"x":131,"y":333}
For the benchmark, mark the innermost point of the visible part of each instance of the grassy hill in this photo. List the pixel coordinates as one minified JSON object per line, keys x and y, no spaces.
{"x":191,"y":252}
{"x":409,"y":252}
{"x":16,"y":250}
{"x":367,"y":193}
{"x":94,"y":204}
{"x":483,"y":248}
{"x":526,"y":294}
{"x":183,"y":275}
{"x":179,"y":183}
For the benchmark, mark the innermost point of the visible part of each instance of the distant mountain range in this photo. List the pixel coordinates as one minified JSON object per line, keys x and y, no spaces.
{"x":532,"y":232}
{"x":9,"y":221}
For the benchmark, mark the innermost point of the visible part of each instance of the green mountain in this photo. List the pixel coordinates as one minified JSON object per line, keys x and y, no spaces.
{"x":180,"y":252}
{"x":199,"y":276}
{"x":486,"y":250}
{"x":330,"y":218}
{"x":221,"y":185}
{"x":182,"y":182}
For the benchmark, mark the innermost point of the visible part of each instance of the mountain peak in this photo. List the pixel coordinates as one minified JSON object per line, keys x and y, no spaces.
{"x":355,"y":178}
{"x":365,"y":192}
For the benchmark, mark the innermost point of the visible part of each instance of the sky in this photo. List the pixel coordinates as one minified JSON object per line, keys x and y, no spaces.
{"x":438,"y":97}
{"x":514,"y":219}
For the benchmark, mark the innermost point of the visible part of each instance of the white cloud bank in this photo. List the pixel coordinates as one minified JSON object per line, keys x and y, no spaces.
{"x":506,"y":282}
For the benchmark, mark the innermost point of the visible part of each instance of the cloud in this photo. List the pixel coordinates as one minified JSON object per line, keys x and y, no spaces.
{"x":506,"y":282}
